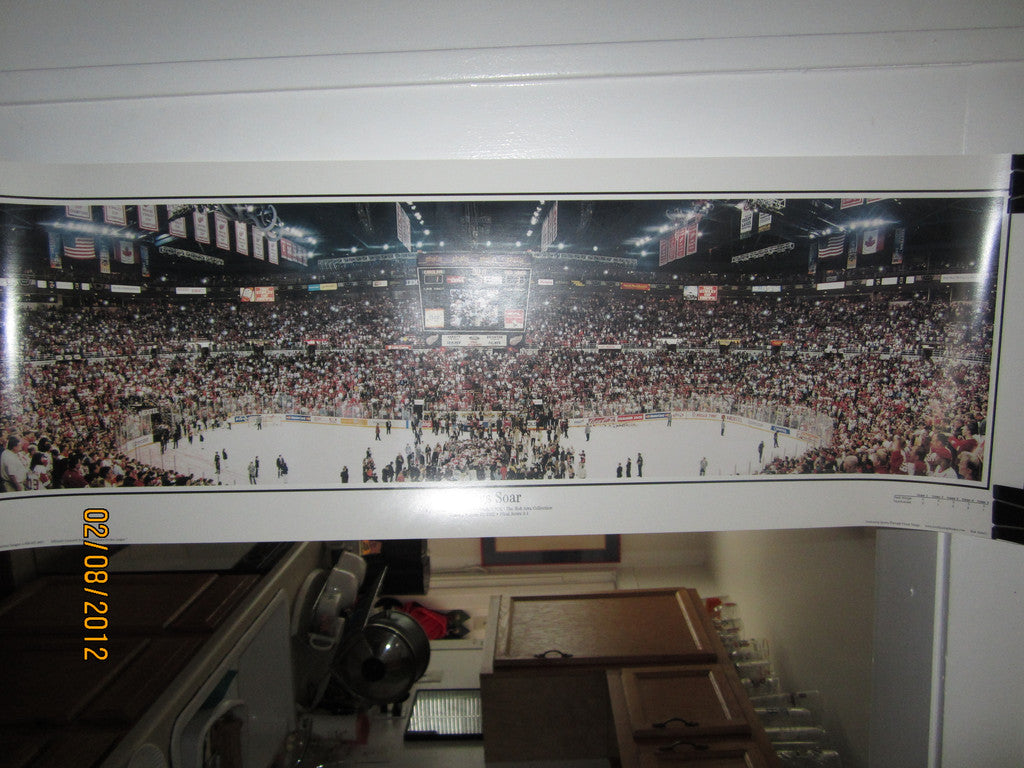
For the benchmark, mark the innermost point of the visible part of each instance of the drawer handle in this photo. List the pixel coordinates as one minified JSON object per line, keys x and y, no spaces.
{"x":545,"y":655}
{"x":672,"y":747}
{"x":687,"y":723}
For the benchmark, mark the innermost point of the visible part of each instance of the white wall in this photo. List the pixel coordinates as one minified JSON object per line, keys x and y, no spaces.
{"x":106,"y":82}
{"x":984,"y":691}
{"x":153,"y":81}
{"x":459,"y":581}
{"x":812,"y":595}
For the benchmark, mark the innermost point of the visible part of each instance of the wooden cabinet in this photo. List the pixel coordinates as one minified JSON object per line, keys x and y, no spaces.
{"x":679,"y":716}
{"x":680,"y":702}
{"x":634,"y":627}
{"x":714,"y":756}
{"x":635,"y":676}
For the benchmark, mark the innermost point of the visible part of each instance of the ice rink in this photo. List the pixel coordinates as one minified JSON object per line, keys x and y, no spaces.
{"x":315,"y":453}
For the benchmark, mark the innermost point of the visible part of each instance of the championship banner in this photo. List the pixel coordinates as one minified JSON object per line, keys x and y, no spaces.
{"x":176,"y":227}
{"x":897,"y":248}
{"x":402,"y":227}
{"x":691,"y":237}
{"x":114,"y":214}
{"x":202,"y":224}
{"x":850,"y":202}
{"x":54,"y":245}
{"x":83,"y":212}
{"x":665,"y":251}
{"x":293,"y":252}
{"x":549,"y":229}
{"x":258,"y":251}
{"x":272,"y":251}
{"x":148,"y":218}
{"x":673,"y":246}
{"x":746,"y":222}
{"x":242,"y":238}
{"x":221,"y":232}
{"x":764,"y":221}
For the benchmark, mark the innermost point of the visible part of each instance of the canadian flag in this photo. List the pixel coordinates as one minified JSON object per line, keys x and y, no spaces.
{"x":872,"y":242}
{"x":126,"y":252}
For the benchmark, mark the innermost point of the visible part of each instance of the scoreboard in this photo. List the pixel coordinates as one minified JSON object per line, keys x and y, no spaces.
{"x":474,"y":299}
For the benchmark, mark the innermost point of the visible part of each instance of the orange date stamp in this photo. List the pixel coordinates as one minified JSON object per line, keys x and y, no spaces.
{"x":95,"y":525}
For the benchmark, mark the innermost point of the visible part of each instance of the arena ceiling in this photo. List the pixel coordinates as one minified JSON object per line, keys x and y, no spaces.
{"x":633,"y":228}
{"x":949,"y":228}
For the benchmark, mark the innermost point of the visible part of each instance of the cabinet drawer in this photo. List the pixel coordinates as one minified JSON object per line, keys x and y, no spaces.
{"x":740,"y":755}
{"x":681,"y":702}
{"x":629,"y":627}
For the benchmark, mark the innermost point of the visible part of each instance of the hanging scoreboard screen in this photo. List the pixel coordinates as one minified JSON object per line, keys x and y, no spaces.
{"x":473,"y":294}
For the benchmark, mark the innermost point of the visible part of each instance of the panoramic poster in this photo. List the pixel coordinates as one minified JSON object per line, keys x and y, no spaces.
{"x":465,"y":364}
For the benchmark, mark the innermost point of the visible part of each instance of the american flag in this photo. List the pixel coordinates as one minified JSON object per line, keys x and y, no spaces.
{"x":83,"y":248}
{"x":832,"y":248}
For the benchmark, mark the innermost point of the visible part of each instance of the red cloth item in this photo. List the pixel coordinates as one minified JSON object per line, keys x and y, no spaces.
{"x":434,"y":623}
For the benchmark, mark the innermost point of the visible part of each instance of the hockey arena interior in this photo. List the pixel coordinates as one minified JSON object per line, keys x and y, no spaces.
{"x":543,"y":340}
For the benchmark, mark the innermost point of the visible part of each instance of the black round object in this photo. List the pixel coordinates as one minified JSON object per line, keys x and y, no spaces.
{"x":381,"y":663}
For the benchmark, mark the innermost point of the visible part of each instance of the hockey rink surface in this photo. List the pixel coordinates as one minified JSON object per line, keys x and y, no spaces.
{"x":315,"y":453}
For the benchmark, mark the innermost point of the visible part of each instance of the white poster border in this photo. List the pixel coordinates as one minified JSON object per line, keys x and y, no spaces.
{"x":167,"y":515}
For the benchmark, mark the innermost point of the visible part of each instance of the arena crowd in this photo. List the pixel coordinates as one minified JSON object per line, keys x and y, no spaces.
{"x":902,"y":380}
